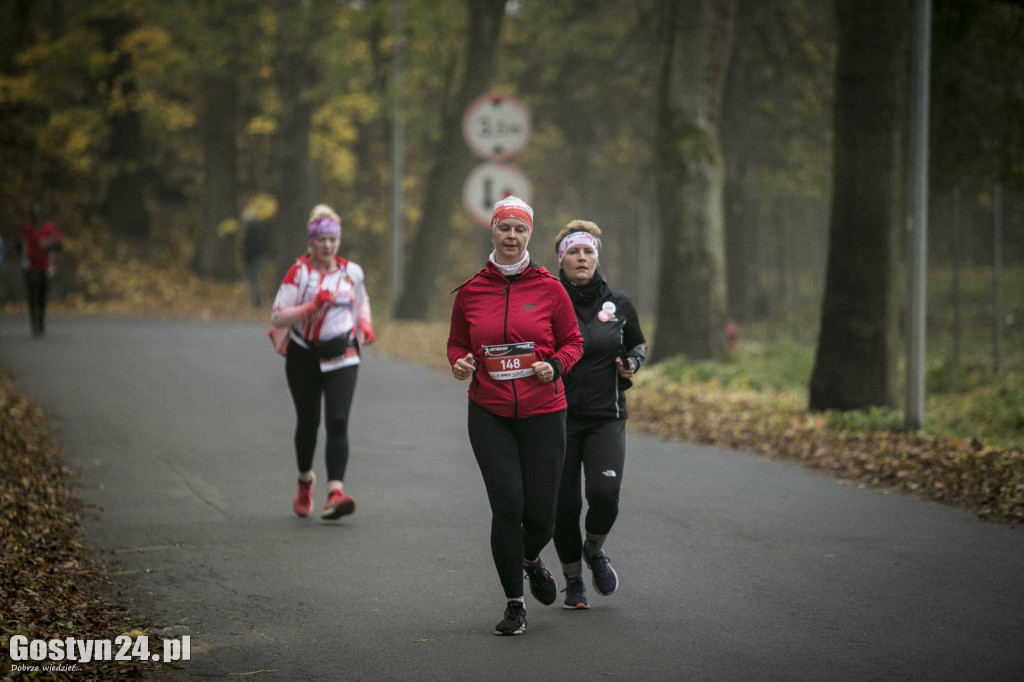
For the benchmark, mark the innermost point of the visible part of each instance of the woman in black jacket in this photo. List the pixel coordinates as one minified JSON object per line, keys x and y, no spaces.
{"x":614,"y":348}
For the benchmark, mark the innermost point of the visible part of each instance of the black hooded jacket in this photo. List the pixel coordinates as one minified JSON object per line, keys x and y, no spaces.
{"x":610,"y":328}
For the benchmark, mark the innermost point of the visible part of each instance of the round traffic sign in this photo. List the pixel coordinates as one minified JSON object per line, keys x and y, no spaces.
{"x":488,"y":184}
{"x":496,"y":126}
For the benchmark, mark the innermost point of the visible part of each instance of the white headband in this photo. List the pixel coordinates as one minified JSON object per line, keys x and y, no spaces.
{"x":575,"y":239}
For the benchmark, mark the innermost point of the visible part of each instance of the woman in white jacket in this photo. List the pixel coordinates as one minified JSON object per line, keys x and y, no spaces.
{"x":323,"y":302}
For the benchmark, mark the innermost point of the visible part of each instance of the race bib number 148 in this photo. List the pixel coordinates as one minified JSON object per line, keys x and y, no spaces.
{"x":510,"y":361}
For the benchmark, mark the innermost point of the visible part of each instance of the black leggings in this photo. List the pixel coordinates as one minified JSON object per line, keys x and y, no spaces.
{"x":520,"y":460}
{"x":36,"y":284}
{"x":307,"y":384}
{"x":599,"y":448}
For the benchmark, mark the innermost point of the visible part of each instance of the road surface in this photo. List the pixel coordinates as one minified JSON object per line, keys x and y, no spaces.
{"x":732,"y":567}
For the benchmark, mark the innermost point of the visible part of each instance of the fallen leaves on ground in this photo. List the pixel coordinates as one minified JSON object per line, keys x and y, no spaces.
{"x":52,"y":586}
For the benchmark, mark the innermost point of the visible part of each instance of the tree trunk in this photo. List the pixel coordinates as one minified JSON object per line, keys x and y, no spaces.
{"x":454,"y":161}
{"x":690,"y":177}
{"x":217,"y":247}
{"x":295,"y":195}
{"x":297,"y":73}
{"x":855,"y":360}
{"x":124,"y":205}
{"x":740,"y":189}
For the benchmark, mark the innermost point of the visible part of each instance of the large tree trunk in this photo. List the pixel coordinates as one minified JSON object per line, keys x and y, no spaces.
{"x":444,"y":184}
{"x":294,"y":168}
{"x":217,"y":248}
{"x":124,"y":206}
{"x":743,"y":86}
{"x":691,"y":290}
{"x":297,"y":73}
{"x":855,"y":361}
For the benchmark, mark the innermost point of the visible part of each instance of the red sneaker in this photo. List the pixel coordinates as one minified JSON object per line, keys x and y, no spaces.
{"x":338,"y":504}
{"x":303,"y":502}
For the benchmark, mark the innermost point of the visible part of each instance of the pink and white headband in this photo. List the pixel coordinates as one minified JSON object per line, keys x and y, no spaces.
{"x":575,"y":239}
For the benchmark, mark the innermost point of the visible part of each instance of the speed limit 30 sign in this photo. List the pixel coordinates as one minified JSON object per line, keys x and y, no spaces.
{"x":496,"y":126}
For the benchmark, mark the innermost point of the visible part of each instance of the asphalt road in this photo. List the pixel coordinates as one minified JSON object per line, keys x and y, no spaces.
{"x":732,"y":567}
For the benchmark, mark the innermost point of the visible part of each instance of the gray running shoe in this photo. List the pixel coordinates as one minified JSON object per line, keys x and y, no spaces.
{"x":575,"y":594}
{"x":514,"y":622}
{"x":605,"y":579}
{"x":542,"y":584}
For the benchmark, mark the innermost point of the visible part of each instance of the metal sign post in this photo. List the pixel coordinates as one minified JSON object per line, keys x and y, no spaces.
{"x":913,"y":414}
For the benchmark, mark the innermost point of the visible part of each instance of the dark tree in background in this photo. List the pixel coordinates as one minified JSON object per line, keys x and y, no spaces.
{"x":124,"y":205}
{"x":856,"y":356}
{"x":452,"y":163}
{"x":690,"y":178}
{"x":214,"y":38}
{"x":977,"y":93}
{"x":215,"y":248}
{"x":297,"y":73}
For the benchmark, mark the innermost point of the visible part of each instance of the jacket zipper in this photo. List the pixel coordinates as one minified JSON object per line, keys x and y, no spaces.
{"x":616,"y":380}
{"x":615,"y":395}
{"x":515,"y":393}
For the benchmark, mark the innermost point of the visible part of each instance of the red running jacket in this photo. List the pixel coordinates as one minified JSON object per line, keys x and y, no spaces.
{"x":38,"y":244}
{"x":491,"y":309}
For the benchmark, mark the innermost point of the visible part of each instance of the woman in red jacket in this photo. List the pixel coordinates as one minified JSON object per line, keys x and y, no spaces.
{"x":513,"y":334}
{"x":38,"y":240}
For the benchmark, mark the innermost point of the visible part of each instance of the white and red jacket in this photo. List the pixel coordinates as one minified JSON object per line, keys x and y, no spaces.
{"x":492,"y":309}
{"x":348,"y":316}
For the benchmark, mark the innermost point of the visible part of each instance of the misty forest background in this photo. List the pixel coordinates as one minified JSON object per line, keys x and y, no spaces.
{"x":746,"y":159}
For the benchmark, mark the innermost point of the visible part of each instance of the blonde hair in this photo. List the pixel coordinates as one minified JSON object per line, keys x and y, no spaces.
{"x":579,"y":226}
{"x":321,"y":210}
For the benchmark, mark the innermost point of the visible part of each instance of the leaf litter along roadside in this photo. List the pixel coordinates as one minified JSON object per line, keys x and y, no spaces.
{"x":52,"y":586}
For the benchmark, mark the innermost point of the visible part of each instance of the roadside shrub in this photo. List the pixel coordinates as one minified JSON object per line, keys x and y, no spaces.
{"x":871,"y":419}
